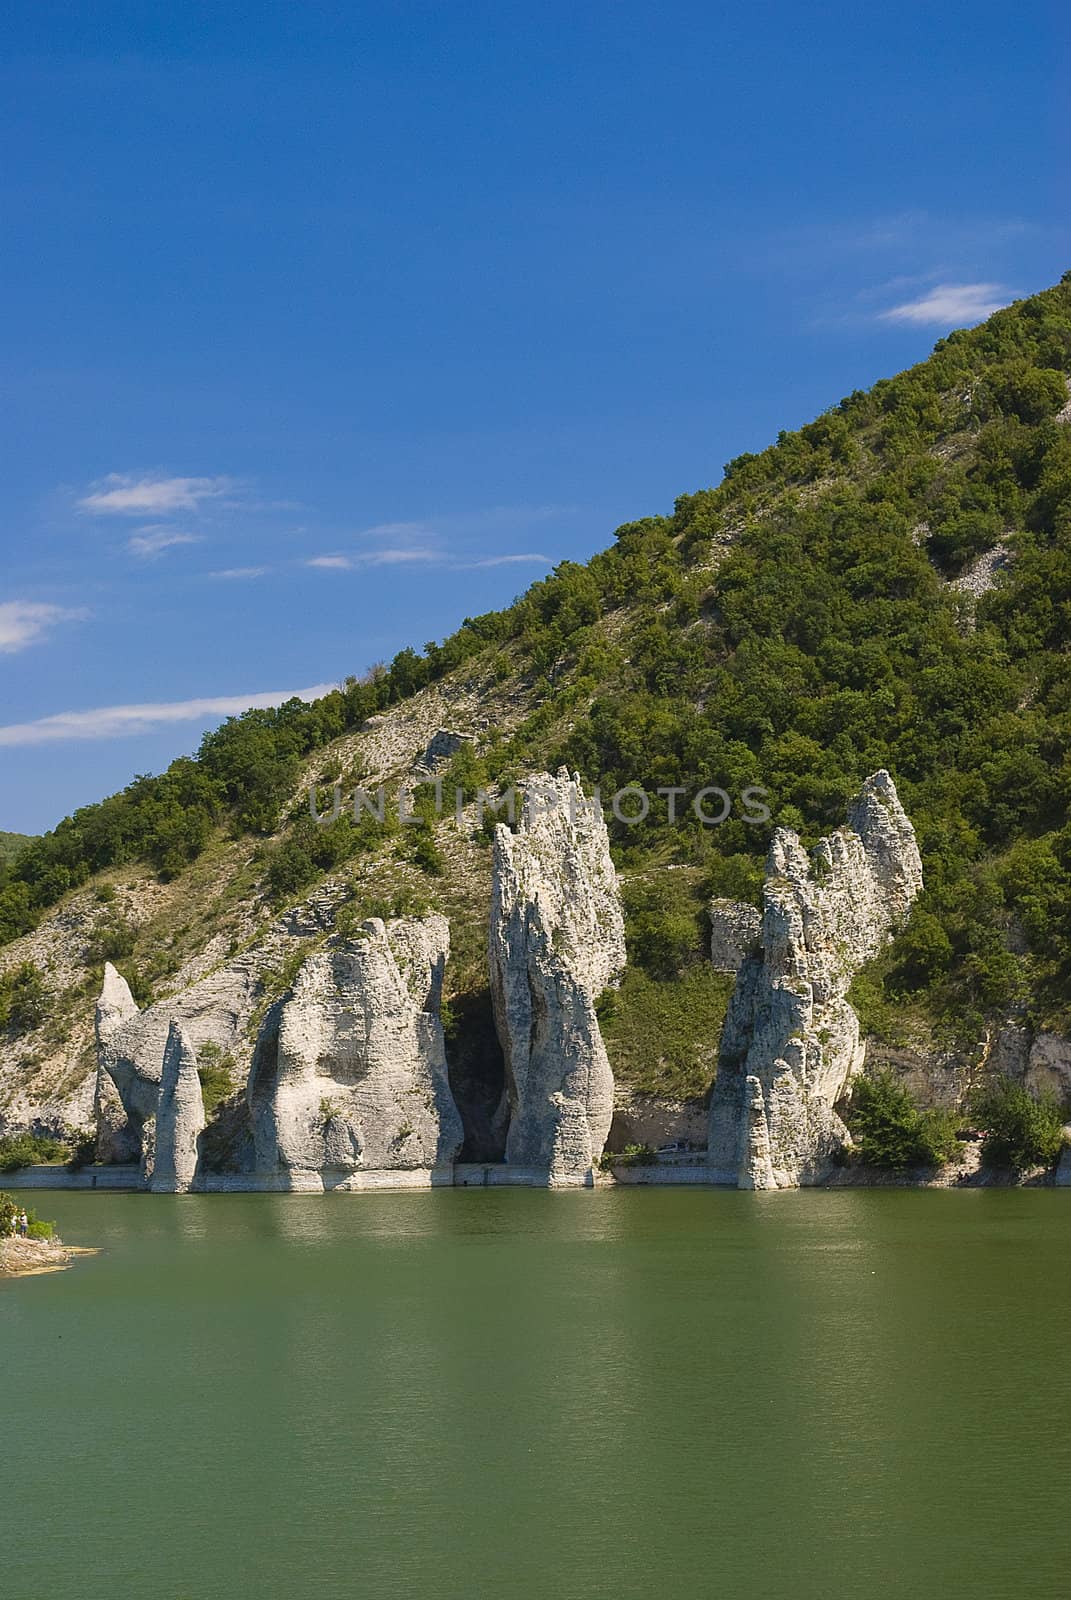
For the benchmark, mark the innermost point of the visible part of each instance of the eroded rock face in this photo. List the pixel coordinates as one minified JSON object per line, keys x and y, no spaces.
{"x":349,"y":1072}
{"x":131,"y":1043}
{"x":180,"y":1116}
{"x":1063,"y":1166}
{"x":1048,"y":1069}
{"x":791,"y":1041}
{"x":735,"y":934}
{"x":116,"y":1140}
{"x":557,"y":941}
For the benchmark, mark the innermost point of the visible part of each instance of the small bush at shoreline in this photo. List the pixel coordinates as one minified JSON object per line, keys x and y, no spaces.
{"x":1020,"y":1131}
{"x":889,"y":1130}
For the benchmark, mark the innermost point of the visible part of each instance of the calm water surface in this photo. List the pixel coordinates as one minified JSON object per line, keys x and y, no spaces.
{"x":520,"y":1394}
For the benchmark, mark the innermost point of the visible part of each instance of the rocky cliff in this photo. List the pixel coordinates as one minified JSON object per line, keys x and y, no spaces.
{"x":791,"y":1041}
{"x":349,"y":1071}
{"x":180,"y":1116}
{"x":556,"y":942}
{"x":131,"y":1043}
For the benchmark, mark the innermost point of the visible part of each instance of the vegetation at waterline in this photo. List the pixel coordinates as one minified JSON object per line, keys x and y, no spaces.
{"x":75,"y":1148}
{"x":793,"y":628}
{"x":889,"y":1130}
{"x":633,"y":1155}
{"x":1021,"y":1130}
{"x":11,"y":1209}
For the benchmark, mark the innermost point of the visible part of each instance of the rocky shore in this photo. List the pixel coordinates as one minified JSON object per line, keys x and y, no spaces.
{"x":21,"y":1258}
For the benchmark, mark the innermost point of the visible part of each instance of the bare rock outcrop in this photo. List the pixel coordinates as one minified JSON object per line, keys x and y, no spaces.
{"x":180,"y":1116}
{"x":1063,"y":1166}
{"x":131,"y":1043}
{"x":349,"y":1072}
{"x":444,"y":743}
{"x":791,"y":1043}
{"x":117,"y":1137}
{"x":735,"y":933}
{"x":556,"y":942}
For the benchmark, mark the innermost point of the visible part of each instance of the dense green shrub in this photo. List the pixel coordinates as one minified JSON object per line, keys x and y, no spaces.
{"x":1020,"y":1130}
{"x":82,"y":1150}
{"x":633,"y":1155}
{"x":426,"y":853}
{"x":889,"y":1130}
{"x":215,"y":1069}
{"x":27,"y":1149}
{"x":23,"y":998}
{"x":664,"y":923}
{"x":11,"y":1209}
{"x":113,"y":940}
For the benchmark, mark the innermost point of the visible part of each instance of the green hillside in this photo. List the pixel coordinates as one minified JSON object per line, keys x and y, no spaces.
{"x":794,"y":628}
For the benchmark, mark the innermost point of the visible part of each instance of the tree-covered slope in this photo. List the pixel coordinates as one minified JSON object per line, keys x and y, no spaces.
{"x":797,"y":627}
{"x":11,"y":844}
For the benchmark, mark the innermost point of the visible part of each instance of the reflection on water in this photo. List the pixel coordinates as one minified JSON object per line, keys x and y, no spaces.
{"x":522,"y":1393}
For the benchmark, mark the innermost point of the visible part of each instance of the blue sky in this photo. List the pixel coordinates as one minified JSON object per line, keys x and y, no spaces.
{"x":326,"y":326}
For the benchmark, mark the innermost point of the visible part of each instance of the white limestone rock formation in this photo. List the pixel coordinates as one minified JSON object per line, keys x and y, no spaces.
{"x":349,"y":1073}
{"x":115,"y":1004}
{"x":1063,"y":1166}
{"x":180,"y":1117}
{"x":117,"y":1139}
{"x":735,"y":933}
{"x":557,"y":940}
{"x":791,"y":1043}
{"x":131,"y":1043}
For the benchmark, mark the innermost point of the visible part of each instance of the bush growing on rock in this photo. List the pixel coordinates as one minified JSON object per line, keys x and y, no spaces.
{"x":23,"y":998}
{"x":633,"y":1155}
{"x":1020,"y":1131}
{"x":889,"y":1130}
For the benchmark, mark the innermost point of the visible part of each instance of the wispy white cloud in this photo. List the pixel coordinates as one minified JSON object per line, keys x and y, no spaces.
{"x":126,"y":494}
{"x":391,"y":557}
{"x":25,"y":622}
{"x":112,"y":722}
{"x":950,"y":305}
{"x":388,"y":557}
{"x":241,"y":572}
{"x":155,"y":539}
{"x":526,"y":557}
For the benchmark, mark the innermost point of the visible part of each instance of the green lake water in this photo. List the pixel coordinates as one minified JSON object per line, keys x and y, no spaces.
{"x":470,"y":1393}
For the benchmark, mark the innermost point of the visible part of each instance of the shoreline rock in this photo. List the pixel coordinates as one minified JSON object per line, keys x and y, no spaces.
{"x":180,"y":1117}
{"x":791,"y":1042}
{"x":556,"y":941}
{"x":349,"y":1071}
{"x":22,"y":1258}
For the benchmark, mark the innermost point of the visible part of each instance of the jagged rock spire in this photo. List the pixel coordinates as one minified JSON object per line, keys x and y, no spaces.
{"x":556,"y":942}
{"x":791,"y":1041}
{"x":115,"y":1003}
{"x":180,"y":1116}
